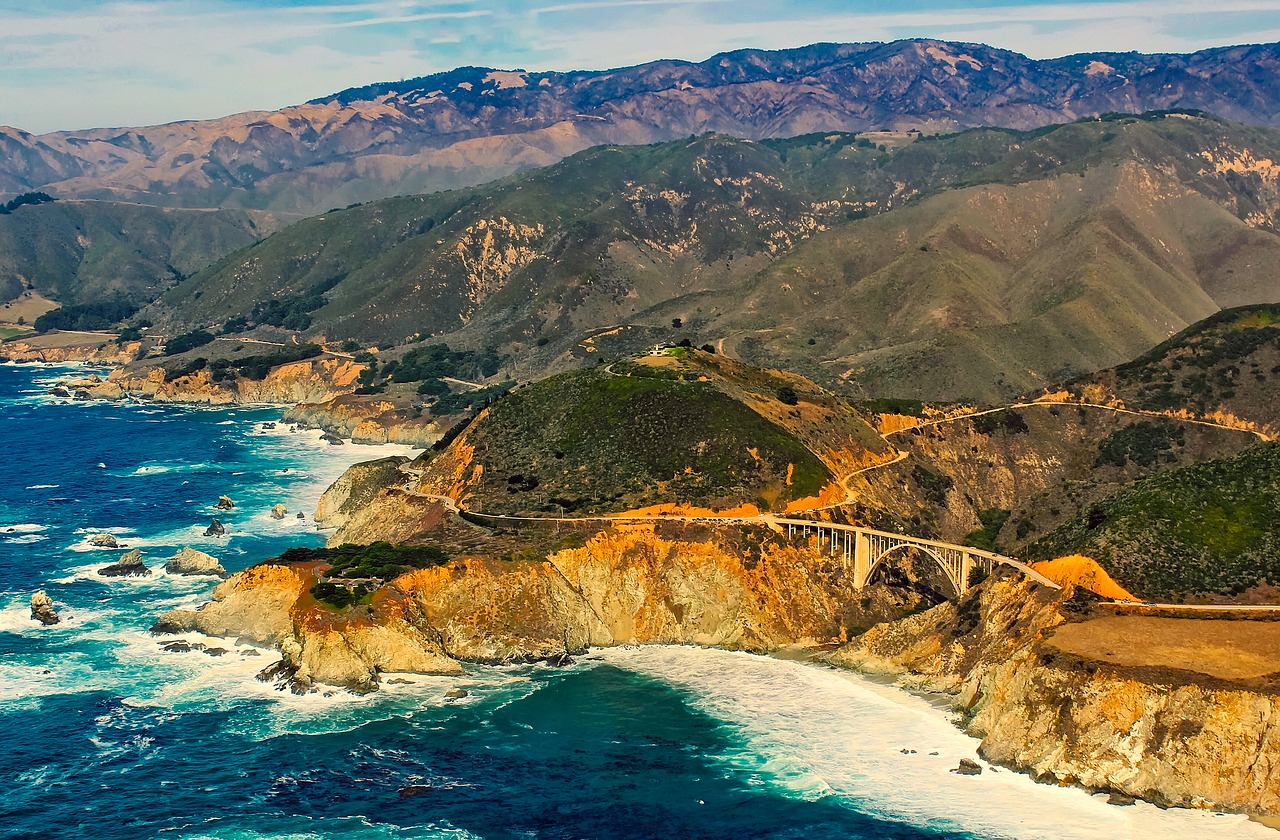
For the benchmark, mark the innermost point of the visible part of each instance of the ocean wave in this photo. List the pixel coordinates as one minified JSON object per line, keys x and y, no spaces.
{"x":24,"y":539}
{"x":42,"y":486}
{"x":165,"y":467}
{"x":820,"y":733}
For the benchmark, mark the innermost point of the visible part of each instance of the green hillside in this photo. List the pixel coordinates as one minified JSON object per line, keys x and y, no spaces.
{"x":1208,"y":528}
{"x":80,"y":252}
{"x":1229,"y":363}
{"x":596,"y":440}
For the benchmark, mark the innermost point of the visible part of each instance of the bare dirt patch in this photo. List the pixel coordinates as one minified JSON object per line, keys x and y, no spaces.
{"x":1228,"y":650}
{"x":28,"y":306}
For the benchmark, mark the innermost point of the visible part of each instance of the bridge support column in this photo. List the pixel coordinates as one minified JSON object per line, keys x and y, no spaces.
{"x":861,"y":559}
{"x":966,"y":566}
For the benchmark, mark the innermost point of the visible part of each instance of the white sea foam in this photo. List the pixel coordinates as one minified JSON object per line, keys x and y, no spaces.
{"x":23,"y":528}
{"x":42,"y":486}
{"x":23,"y":539}
{"x":823,"y":733}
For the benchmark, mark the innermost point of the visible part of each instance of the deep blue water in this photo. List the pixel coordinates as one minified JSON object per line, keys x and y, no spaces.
{"x":107,"y":736}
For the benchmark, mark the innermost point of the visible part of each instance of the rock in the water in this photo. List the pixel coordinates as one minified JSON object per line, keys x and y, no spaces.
{"x":59,"y":391}
{"x":188,"y":561}
{"x":456,"y":694}
{"x":103,"y":541}
{"x":175,"y":647}
{"x":278,"y":511}
{"x":331,"y":439}
{"x":1119,"y":799}
{"x":129,"y":565}
{"x":225,"y":503}
{"x":409,"y":791}
{"x":559,"y":660}
{"x":301,"y":515}
{"x":968,"y":767}
{"x":215,"y":529}
{"x":42,"y":609}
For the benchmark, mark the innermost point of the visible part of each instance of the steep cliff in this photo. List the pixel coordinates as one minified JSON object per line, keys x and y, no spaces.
{"x":372,"y":420}
{"x":626,"y":585}
{"x":1179,"y":715}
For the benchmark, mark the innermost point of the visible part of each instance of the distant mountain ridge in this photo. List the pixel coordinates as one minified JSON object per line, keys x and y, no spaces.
{"x":471,"y":125}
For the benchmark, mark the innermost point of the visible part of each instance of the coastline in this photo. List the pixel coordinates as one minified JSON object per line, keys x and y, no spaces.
{"x":319,"y":481}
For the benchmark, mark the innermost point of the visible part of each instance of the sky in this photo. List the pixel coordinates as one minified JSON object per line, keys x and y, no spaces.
{"x":68,"y":64}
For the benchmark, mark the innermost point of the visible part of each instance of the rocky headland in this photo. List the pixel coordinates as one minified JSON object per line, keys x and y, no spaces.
{"x":1135,"y":711}
{"x":632,"y":584}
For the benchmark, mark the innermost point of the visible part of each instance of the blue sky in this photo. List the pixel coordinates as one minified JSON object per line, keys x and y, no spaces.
{"x":81,"y":63}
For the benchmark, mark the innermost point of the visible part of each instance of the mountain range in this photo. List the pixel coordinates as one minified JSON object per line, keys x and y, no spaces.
{"x":471,"y":125}
{"x":979,"y":265}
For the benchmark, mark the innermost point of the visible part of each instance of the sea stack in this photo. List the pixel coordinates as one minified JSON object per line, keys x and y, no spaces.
{"x":215,"y":529}
{"x":129,"y":565}
{"x":279,"y":511}
{"x":103,"y":541}
{"x":225,"y":503}
{"x":42,"y":609}
{"x":189,"y":561}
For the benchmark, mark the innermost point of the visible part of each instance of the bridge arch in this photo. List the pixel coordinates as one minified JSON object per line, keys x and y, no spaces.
{"x":952,"y":571}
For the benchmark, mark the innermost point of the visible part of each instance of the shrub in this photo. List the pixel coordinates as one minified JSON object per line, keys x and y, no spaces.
{"x":187,"y":341}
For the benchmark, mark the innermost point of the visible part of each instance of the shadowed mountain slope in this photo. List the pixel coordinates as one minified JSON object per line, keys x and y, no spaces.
{"x":85,"y":251}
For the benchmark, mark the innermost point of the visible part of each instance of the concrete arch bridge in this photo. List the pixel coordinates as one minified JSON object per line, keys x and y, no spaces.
{"x":866,"y":550}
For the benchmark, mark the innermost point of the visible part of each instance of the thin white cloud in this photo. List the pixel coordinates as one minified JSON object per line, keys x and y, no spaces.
{"x":613,"y":4}
{"x":382,"y":21}
{"x":147,"y":61}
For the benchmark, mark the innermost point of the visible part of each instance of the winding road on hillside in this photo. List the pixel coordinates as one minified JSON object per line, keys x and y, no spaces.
{"x":778,"y":522}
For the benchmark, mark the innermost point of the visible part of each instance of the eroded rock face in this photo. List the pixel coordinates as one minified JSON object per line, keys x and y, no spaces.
{"x":356,"y":487}
{"x":42,"y":609}
{"x":1159,"y":735}
{"x":129,"y":565}
{"x":278,"y":511}
{"x":189,"y":561}
{"x":626,"y":586}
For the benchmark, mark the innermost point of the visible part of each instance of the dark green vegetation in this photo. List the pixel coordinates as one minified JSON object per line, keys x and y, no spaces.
{"x":1006,"y":419}
{"x":257,"y":366}
{"x":1142,"y":443}
{"x":86,"y":316}
{"x":992,"y":519}
{"x":187,"y":341}
{"x":356,"y":570}
{"x":1228,"y":362}
{"x":979,"y":265}
{"x":26,"y":199}
{"x":592,"y":441}
{"x":1211,"y":527}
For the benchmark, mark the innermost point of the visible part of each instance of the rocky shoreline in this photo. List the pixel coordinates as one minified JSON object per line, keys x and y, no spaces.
{"x":1176,"y":739}
{"x":1162,"y":738}
{"x":316,"y":393}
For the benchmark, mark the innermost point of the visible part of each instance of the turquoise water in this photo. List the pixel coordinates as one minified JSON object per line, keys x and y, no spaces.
{"x":107,"y":736}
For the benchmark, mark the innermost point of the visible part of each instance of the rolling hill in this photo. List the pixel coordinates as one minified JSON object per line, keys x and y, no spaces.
{"x":685,"y":428}
{"x":80,"y":252}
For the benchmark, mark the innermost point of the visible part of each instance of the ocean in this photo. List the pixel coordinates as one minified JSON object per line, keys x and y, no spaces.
{"x":106,"y":735}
